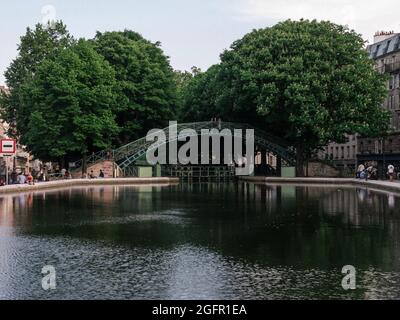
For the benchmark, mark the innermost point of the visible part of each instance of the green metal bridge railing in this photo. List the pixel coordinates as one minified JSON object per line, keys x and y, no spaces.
{"x":126,"y":155}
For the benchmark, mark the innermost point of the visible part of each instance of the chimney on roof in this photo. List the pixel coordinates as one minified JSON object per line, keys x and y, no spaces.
{"x":383,"y":35}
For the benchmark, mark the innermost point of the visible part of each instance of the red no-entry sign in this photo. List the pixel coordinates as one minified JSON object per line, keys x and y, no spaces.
{"x":8,"y":146}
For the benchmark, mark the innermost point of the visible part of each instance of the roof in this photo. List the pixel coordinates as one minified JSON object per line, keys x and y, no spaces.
{"x":384,"y":47}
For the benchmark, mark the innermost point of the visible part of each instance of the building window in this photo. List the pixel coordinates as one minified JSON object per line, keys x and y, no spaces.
{"x":391,"y":82}
{"x":391,"y":102}
{"x":398,"y":99}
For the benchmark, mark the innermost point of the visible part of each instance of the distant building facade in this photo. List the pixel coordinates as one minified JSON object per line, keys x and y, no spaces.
{"x":385,"y":51}
{"x":341,"y":154}
{"x":21,"y":161}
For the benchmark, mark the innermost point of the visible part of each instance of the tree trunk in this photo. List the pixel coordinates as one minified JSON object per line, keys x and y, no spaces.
{"x":300,"y":160}
{"x":307,"y":165}
{"x":84,"y":164}
{"x":279,"y":166}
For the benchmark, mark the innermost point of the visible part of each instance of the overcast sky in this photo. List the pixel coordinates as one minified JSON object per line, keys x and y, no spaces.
{"x":192,"y":32}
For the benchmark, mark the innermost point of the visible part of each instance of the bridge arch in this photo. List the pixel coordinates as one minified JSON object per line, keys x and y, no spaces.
{"x":126,"y":156}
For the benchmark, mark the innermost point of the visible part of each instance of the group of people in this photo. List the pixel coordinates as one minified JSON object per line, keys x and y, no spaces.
{"x":44,"y":173}
{"x":91,"y":175}
{"x":367,"y":172}
{"x":32,"y":177}
{"x":370,"y":172}
{"x":21,"y":178}
{"x":67,"y":175}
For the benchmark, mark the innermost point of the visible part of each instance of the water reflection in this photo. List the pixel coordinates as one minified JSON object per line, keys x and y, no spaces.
{"x":201,"y":241}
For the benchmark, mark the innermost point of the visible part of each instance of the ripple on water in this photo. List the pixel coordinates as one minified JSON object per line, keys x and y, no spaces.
{"x":200,"y":242}
{"x":96,"y":270}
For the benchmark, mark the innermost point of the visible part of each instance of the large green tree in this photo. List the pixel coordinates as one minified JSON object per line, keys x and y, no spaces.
{"x":71,"y":99}
{"x":306,"y":81}
{"x":200,"y":96}
{"x":34,"y":47}
{"x":184,"y":83}
{"x":146,"y":86}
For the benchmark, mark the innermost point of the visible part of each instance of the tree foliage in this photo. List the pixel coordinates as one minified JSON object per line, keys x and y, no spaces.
{"x":146,"y":86}
{"x":35,"y":46}
{"x":183,"y":80}
{"x":71,"y":98}
{"x":307,"y":81}
{"x":200,"y":96}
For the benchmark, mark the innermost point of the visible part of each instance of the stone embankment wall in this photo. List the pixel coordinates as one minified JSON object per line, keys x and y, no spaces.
{"x":321,"y":169}
{"x":110,"y":169}
{"x":62,"y":184}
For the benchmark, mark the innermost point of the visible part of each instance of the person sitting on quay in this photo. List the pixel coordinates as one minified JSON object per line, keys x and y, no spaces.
{"x":29,"y":179}
{"x":21,"y":179}
{"x":67,"y":175}
{"x":391,"y":172}
{"x":41,"y":176}
{"x":101,"y":175}
{"x":91,"y":175}
{"x":360,"y":169}
{"x":372,"y":173}
{"x":364,"y":175}
{"x":14,"y":177}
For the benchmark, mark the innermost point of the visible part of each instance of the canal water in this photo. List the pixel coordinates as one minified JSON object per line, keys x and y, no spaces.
{"x":201,"y":241}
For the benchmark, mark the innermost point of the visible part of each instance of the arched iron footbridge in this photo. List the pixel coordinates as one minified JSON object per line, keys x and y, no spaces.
{"x":127,"y":155}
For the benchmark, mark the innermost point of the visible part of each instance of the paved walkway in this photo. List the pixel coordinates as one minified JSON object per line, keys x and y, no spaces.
{"x":373,"y":184}
{"x":17,"y":188}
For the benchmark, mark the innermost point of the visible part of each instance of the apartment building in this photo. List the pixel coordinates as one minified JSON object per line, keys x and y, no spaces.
{"x":341,"y":154}
{"x":385,"y":51}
